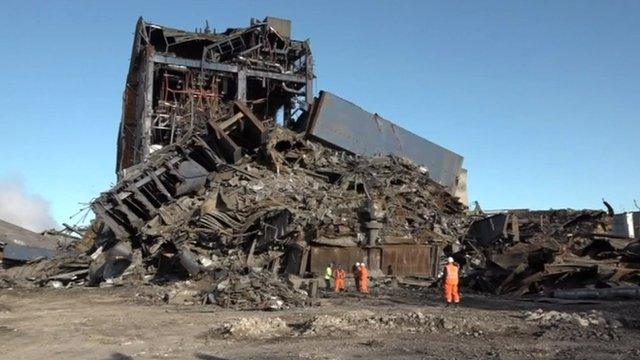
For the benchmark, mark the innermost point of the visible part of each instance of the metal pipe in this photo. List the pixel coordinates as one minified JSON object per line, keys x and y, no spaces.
{"x":589,"y":294}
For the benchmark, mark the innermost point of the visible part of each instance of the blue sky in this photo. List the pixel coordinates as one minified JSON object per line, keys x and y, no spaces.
{"x":542,"y":98}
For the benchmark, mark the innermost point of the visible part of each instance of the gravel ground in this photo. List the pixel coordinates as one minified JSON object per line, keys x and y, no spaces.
{"x":128,"y":323}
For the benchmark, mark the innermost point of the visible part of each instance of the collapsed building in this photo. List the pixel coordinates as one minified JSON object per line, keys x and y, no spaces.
{"x":230,"y":170}
{"x":218,"y":130}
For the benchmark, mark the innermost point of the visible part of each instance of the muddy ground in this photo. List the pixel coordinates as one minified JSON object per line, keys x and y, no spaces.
{"x":131,"y":323}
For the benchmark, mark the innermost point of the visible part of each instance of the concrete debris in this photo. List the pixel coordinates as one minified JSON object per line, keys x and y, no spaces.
{"x":553,"y":318}
{"x":360,"y":323}
{"x":255,"y":328}
{"x":571,"y":326}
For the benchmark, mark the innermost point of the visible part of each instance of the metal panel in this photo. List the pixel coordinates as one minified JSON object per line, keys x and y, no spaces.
{"x":347,"y":126}
{"x":25,"y":253}
{"x":627,"y":224}
{"x":321,"y":256}
{"x":486,"y":231}
{"x":410,"y":260}
{"x":282,"y":26}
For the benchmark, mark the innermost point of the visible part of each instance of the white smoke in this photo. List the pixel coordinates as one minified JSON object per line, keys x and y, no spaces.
{"x":23,"y":209}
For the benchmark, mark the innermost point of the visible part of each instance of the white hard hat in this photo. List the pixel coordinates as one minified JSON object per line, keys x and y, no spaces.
{"x":449,"y":259}
{"x":357,"y":264}
{"x":362,"y":264}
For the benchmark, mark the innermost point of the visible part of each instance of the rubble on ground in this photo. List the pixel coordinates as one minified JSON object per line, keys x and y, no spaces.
{"x":358,"y":323}
{"x":19,"y":245}
{"x":537,"y":252}
{"x":225,"y":175}
{"x":233,"y":176}
{"x":570,"y":326}
{"x":255,"y":327}
{"x":238,"y":227}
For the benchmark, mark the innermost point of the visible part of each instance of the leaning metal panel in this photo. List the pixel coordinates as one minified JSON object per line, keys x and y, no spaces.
{"x":347,"y":126}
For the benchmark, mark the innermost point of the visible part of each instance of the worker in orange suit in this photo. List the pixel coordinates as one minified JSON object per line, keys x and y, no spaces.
{"x":451,"y":278}
{"x":363,"y":274}
{"x":339,"y":276}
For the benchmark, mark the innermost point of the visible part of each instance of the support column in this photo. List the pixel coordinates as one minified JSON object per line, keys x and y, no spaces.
{"x":241,"y":94}
{"x":148,"y":109}
{"x":309,"y":85}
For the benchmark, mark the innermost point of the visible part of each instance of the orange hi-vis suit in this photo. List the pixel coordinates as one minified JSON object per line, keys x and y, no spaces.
{"x":340,"y":276}
{"x":363,"y":277}
{"x":451,"y":283}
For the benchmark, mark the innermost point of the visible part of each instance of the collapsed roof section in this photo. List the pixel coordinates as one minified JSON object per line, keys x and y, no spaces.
{"x":179,"y":81}
{"x":346,"y":126}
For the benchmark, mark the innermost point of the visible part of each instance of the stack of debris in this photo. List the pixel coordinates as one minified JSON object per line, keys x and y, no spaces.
{"x":257,"y":290}
{"x":263,"y":213}
{"x":20,"y":247}
{"x":210,"y":186}
{"x":521,"y":251}
{"x":242,"y":225}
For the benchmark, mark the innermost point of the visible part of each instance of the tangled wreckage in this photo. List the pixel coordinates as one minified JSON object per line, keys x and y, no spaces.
{"x":232,"y":172}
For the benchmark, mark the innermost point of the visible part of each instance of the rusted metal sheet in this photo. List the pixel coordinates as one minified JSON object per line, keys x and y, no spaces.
{"x":627,"y":224}
{"x":400,"y":259}
{"x":343,"y":124}
{"x":486,"y":231}
{"x":410,"y":260}
{"x":321,"y":256}
{"x":18,"y":252}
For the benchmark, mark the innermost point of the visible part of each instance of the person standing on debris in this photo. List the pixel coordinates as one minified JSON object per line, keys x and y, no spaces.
{"x":339,"y":275}
{"x":328,"y":274}
{"x":451,"y":278}
{"x":364,"y":278}
{"x":356,"y":276}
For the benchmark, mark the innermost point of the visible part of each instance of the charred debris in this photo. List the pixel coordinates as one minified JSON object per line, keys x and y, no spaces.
{"x":231,"y":172}
{"x":233,"y":175}
{"x":548,"y":253}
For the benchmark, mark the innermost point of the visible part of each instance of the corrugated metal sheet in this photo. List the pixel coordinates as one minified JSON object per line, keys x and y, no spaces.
{"x":347,"y":126}
{"x":400,"y":259}
{"x":410,"y":260}
{"x":321,"y":256}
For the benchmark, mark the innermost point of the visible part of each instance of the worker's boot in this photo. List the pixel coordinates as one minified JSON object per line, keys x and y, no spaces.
{"x":447,"y":304}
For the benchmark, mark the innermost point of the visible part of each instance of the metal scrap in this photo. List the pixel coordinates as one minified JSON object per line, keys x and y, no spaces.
{"x":538,"y":252}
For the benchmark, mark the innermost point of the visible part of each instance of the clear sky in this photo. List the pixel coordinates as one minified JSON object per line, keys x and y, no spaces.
{"x":542,"y":98}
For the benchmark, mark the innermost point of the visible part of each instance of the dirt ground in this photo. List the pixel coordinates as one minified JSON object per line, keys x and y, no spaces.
{"x":128,"y":323}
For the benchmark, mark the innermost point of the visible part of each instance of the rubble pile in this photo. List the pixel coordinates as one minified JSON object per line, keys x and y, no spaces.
{"x":231,"y":173}
{"x":542,"y":251}
{"x":358,"y":323}
{"x":226,"y":173}
{"x":239,"y":227}
{"x":258,"y":290}
{"x":570,"y":326}
{"x":254,"y":328}
{"x":64,"y":269}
